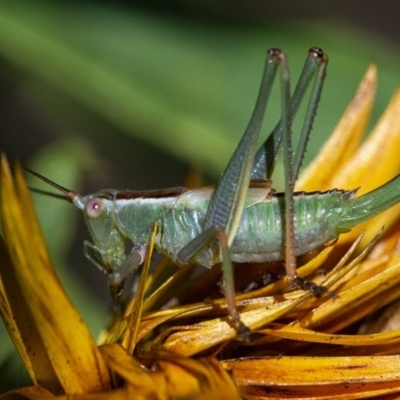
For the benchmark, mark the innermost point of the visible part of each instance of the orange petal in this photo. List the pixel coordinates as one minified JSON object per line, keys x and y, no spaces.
{"x":317,"y":377}
{"x":376,"y":162}
{"x":72,"y":351}
{"x":345,"y":139}
{"x":171,"y":376}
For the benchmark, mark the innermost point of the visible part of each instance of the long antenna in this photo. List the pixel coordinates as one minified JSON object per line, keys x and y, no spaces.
{"x":50,"y":194}
{"x":70,"y":195}
{"x":47,"y":180}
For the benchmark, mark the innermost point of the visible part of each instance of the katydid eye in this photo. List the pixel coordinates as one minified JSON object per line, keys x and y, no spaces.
{"x":94,"y":207}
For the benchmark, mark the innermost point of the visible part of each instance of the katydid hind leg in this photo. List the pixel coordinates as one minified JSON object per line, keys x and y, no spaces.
{"x":229,"y":286}
{"x":227,"y":202}
{"x":311,"y":111}
{"x":226,"y":205}
{"x":290,"y":256}
{"x":313,"y":288}
{"x":291,"y":167}
{"x":196,"y":245}
{"x":266,"y":156}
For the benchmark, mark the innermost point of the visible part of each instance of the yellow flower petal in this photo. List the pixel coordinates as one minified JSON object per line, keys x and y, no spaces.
{"x":171,"y":376}
{"x":71,"y":350}
{"x":21,"y":326}
{"x":301,"y":334}
{"x":317,"y":377}
{"x":376,"y":162}
{"x":344,"y":141}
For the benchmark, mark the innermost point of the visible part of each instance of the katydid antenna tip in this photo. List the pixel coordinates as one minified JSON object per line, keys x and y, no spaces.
{"x":70,"y":195}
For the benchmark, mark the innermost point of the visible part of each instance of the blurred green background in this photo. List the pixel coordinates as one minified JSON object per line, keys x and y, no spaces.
{"x":98,"y":94}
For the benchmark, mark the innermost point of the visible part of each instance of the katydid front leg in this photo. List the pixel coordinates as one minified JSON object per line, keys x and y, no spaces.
{"x":117,"y":273}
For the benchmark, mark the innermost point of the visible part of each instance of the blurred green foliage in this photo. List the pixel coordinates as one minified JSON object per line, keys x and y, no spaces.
{"x":116,"y":81}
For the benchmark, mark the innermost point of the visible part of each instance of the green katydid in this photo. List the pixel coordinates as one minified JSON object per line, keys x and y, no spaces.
{"x":241,"y":219}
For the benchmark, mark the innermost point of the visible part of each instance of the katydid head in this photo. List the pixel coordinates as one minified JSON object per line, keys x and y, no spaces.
{"x":109,"y":243}
{"x":98,"y":211}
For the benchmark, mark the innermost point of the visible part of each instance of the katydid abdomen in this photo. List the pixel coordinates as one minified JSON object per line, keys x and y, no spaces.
{"x":318,"y":218}
{"x":260,"y":234}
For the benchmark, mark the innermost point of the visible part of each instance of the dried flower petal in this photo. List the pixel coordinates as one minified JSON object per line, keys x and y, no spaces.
{"x":73,"y":354}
